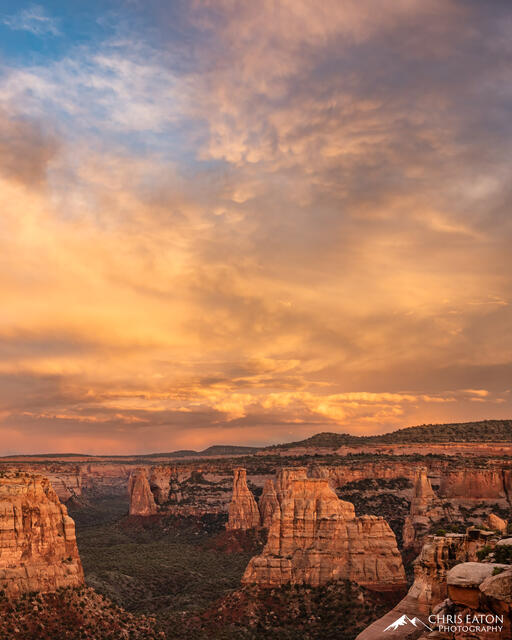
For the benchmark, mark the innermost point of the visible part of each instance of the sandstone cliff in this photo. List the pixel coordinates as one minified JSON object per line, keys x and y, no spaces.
{"x":38,"y":549}
{"x":315,"y":537}
{"x":472,"y":484}
{"x":243,"y":512}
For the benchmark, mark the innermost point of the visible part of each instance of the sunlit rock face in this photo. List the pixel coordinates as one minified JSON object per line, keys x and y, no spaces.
{"x":243,"y":512}
{"x":496,"y":523}
{"x":473,"y":484}
{"x":142,"y":502}
{"x":431,"y":568}
{"x":315,"y":537}
{"x":38,"y":549}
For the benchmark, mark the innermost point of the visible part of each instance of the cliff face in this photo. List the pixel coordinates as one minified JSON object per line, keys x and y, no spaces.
{"x":38,"y":549}
{"x":243,"y":512}
{"x":142,"y":502}
{"x":315,"y":537}
{"x":473,"y":484}
{"x":431,"y":567}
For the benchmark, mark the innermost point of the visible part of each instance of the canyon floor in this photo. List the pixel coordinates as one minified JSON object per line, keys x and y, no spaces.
{"x":186,"y":572}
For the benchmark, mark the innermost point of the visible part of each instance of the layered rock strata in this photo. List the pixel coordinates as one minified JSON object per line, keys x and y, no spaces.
{"x":474,"y":484}
{"x":315,"y":537}
{"x":38,"y":549}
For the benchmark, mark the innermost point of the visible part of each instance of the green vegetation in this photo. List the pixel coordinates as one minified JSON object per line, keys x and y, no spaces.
{"x":71,"y":614}
{"x":503,"y":554}
{"x":482,"y":553}
{"x":168,"y":567}
{"x":336,"y":611}
{"x":185,"y":573}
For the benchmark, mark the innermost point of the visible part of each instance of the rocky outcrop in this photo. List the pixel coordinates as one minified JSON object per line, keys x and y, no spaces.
{"x":243,"y":512}
{"x":464,"y":580}
{"x":438,"y":555}
{"x":38,"y":549}
{"x":495,"y":523}
{"x":479,"y":603}
{"x":425,"y":510}
{"x":268,"y":504}
{"x":315,"y":537}
{"x":142,"y":502}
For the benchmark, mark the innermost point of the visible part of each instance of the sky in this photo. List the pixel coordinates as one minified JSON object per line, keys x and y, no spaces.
{"x":245,"y":223}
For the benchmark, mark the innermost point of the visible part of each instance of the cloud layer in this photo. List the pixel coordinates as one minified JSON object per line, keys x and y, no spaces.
{"x":230,"y":223}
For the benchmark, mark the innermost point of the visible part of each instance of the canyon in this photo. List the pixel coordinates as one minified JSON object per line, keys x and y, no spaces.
{"x":357,"y":528}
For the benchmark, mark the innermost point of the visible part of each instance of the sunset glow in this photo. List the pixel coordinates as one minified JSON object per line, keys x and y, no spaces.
{"x":245,"y":223}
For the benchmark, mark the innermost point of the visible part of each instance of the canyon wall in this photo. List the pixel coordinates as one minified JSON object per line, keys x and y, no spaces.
{"x":179,"y":491}
{"x":474,"y":484}
{"x":38,"y":549}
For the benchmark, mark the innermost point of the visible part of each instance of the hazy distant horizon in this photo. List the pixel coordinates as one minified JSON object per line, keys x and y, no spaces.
{"x":252,"y":222}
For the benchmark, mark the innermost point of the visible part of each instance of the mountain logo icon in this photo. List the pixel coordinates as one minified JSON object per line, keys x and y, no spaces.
{"x":404,"y":621}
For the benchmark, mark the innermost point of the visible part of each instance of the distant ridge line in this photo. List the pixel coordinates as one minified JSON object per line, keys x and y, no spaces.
{"x":482,"y":431}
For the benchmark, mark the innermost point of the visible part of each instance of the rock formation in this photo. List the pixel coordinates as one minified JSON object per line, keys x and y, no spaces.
{"x":495,"y":523}
{"x":284,"y":478}
{"x":425,"y":510}
{"x":268,"y":504}
{"x":243,"y":512}
{"x":473,"y":484}
{"x":438,"y":555}
{"x":160,"y":483}
{"x":142,"y":502}
{"x":315,"y":537}
{"x":464,"y":580}
{"x":478,"y":594}
{"x":38,"y":549}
